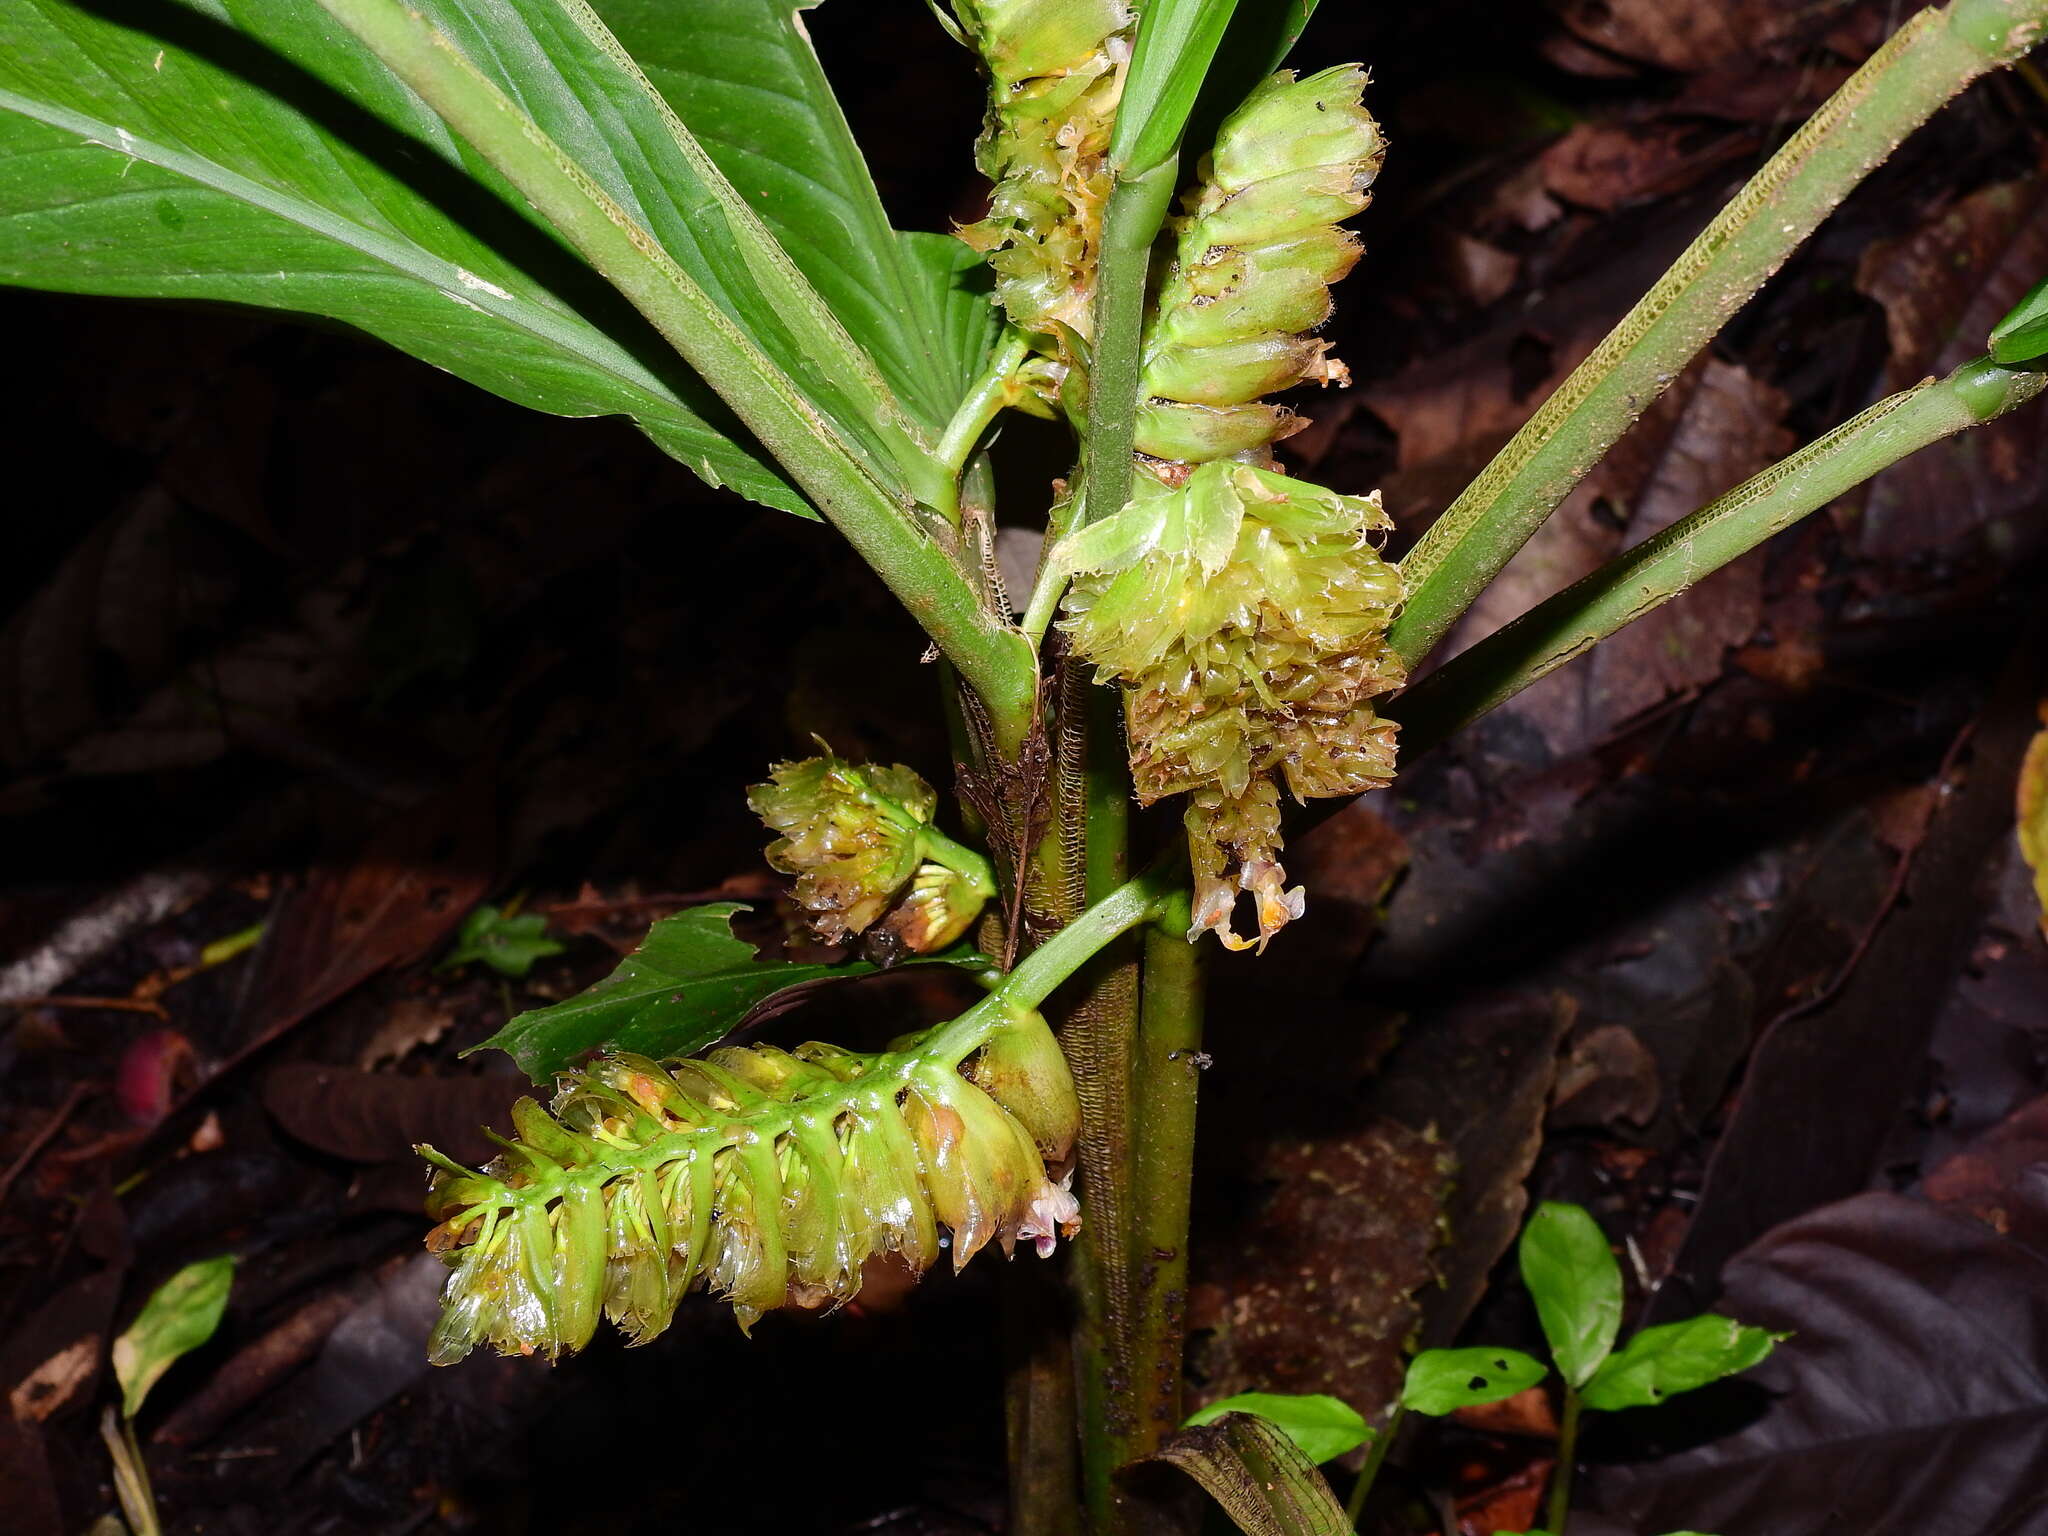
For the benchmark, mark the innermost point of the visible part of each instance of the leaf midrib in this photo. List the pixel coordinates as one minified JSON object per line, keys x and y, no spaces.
{"x":560,"y":331}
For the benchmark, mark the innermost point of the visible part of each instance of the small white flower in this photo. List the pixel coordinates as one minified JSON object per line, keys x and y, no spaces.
{"x":1054,"y":1214}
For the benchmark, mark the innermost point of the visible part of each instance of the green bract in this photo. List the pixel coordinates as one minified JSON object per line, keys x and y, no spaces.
{"x":860,"y":842}
{"x":1254,"y":258}
{"x":1055,"y":75}
{"x":769,"y":1176}
{"x":1245,"y":613}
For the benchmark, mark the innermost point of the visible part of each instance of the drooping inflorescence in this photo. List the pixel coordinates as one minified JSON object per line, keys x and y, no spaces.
{"x":868,"y":861}
{"x":1055,"y":71}
{"x":770,"y":1177}
{"x":1245,"y":615}
{"x":1245,"y":612}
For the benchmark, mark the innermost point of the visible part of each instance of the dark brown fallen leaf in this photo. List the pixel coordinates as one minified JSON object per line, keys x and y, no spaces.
{"x":1605,"y":166}
{"x":1912,"y":1395}
{"x":375,"y":1117}
{"x":1943,"y":287}
{"x":391,"y":903}
{"x":1686,"y":38}
{"x":1714,"y":428}
{"x":1863,"y":1047}
{"x":1999,"y":1177}
{"x":1316,"y":1291}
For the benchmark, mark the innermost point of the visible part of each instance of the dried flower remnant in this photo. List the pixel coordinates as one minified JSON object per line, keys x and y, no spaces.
{"x":860,"y":841}
{"x":1056,"y":71}
{"x":1245,"y":614}
{"x":768,"y":1176}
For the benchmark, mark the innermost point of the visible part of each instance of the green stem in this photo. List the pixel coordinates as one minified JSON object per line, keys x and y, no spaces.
{"x":1165,"y":1080}
{"x":1559,"y":1508}
{"x":984,"y":402}
{"x":969,"y":863}
{"x":1929,"y":59}
{"x":1130,"y":223}
{"x":131,"y":1475}
{"x":1660,"y":568}
{"x":1354,"y":1507}
{"x":992,"y":656}
{"x":1038,"y":973}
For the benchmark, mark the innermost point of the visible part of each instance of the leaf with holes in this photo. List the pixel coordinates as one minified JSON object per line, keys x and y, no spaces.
{"x":1442,"y":1381}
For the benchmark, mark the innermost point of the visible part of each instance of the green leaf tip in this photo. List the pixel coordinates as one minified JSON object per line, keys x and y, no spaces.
{"x":1661,"y":1362}
{"x":1323,"y":1427}
{"x":1576,"y":1285}
{"x":2022,"y":336}
{"x":180,"y":1315}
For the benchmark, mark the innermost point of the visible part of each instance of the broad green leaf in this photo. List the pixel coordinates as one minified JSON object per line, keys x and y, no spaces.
{"x":2022,"y":336}
{"x":544,"y":93}
{"x":955,"y":282}
{"x":1261,"y":1479}
{"x":1676,"y":1357}
{"x":509,"y":945}
{"x":744,"y":78}
{"x":180,"y":1317}
{"x":1571,"y":1273}
{"x":1323,"y":1427}
{"x":254,"y":153}
{"x":1441,"y":1381}
{"x":690,"y":982}
{"x":1177,"y":41}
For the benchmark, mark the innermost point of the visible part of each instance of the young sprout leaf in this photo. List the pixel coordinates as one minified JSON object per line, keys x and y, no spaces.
{"x":1576,"y":1285}
{"x":1441,"y":1381}
{"x":2022,"y":336}
{"x":1177,"y":40}
{"x":180,"y":1317}
{"x":1677,"y":1357}
{"x":508,"y":944}
{"x":1323,"y":1427}
{"x":690,"y":981}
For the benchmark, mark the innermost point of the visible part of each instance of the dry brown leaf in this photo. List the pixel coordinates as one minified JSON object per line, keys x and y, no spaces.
{"x":1943,"y":287}
{"x":1688,"y":37}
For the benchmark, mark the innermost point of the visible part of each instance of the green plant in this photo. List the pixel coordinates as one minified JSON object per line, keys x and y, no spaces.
{"x":1576,"y":1285}
{"x":180,"y":1315}
{"x":505,"y":939}
{"x":466,"y":178}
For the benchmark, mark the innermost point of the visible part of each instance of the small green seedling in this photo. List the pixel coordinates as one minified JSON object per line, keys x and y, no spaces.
{"x":1576,"y":1285}
{"x":1440,"y":1382}
{"x":177,"y":1319}
{"x":507,"y":940}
